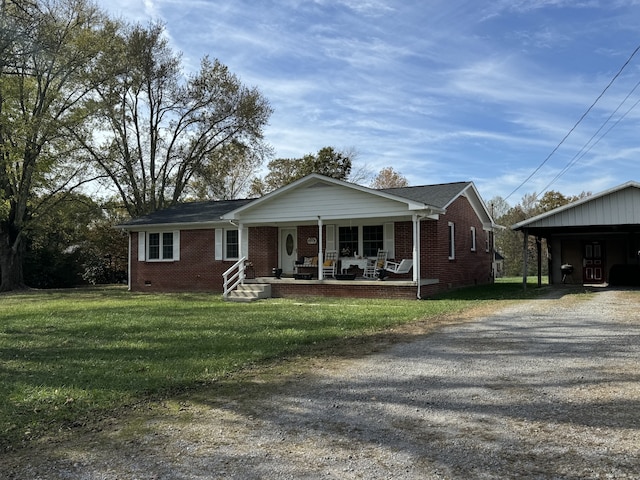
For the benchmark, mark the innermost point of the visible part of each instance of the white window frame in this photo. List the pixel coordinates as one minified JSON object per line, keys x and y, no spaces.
{"x":388,"y":237}
{"x":226,"y":244}
{"x":143,"y":246}
{"x":452,"y":241}
{"x":473,"y":239}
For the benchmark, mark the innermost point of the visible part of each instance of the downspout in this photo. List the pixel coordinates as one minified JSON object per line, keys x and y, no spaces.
{"x":320,"y":252}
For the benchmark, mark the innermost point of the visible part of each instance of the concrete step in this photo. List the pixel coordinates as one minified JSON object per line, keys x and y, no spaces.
{"x":249,"y":292}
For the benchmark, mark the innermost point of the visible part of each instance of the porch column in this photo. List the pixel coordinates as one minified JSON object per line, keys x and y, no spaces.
{"x":320,"y":253}
{"x":241,"y":249}
{"x":525,"y":258}
{"x":416,"y":248}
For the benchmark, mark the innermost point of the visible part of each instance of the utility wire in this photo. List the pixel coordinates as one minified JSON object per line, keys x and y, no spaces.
{"x":577,"y":123}
{"x":584,"y":150}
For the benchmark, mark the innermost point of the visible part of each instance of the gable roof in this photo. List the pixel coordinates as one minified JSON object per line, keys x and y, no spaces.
{"x":190,"y":212}
{"x":617,"y":206}
{"x":433,"y":199}
{"x":437,"y":195}
{"x":315,"y":179}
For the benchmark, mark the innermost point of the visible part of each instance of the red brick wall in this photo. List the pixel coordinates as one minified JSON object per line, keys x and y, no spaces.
{"x":468,"y":267}
{"x":371,"y":290}
{"x":197,"y":269}
{"x":263,"y":250}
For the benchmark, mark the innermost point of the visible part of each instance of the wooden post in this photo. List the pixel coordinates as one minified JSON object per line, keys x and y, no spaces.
{"x":539,"y":253}
{"x":525,"y":254}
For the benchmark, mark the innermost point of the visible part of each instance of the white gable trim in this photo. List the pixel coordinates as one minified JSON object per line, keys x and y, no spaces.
{"x":404,"y":204}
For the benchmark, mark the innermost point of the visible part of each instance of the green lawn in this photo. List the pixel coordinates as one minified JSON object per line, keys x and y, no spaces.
{"x":68,"y":357}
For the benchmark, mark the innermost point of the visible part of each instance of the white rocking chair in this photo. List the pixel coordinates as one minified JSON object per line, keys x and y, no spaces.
{"x":330,"y":264}
{"x":374,"y":265}
{"x":394,"y":267}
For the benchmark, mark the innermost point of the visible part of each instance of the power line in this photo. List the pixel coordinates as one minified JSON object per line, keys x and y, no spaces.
{"x":577,"y":123}
{"x":584,"y":150}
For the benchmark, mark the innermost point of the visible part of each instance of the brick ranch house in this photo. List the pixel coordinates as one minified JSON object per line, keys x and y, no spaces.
{"x":444,"y":232}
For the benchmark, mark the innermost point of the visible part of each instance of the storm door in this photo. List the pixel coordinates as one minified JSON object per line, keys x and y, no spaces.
{"x":593,"y":262}
{"x":288,"y":249}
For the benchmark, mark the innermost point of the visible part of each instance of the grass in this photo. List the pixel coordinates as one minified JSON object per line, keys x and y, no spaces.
{"x":69,"y":357}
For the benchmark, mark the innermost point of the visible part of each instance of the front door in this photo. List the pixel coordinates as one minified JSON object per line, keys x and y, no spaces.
{"x":288,"y":249}
{"x":593,"y":262}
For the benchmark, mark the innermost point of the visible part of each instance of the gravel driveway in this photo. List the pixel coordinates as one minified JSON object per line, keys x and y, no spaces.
{"x":548,"y":388}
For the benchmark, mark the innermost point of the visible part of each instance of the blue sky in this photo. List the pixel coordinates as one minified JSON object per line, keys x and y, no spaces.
{"x":440,"y":90}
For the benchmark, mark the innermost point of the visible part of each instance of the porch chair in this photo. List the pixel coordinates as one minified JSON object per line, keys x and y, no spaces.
{"x":330,"y":264}
{"x":374,"y":265}
{"x":394,"y":267}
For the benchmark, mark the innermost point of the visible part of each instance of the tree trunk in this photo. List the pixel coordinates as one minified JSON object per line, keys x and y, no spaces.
{"x":11,"y":261}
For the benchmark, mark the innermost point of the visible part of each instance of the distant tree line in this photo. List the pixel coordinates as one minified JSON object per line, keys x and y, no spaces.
{"x":510,"y":244}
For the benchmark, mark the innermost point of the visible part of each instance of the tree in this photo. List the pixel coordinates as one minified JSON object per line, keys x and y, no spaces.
{"x":155,"y":131}
{"x":389,"y":178}
{"x":44,"y":95}
{"x":227,"y":173}
{"x":283,"y":171}
{"x":510,"y":243}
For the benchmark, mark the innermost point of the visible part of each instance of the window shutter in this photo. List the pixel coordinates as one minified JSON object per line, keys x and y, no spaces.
{"x":141,"y":246}
{"x":176,"y":245}
{"x":244,"y":248}
{"x":389,"y":239}
{"x":330,"y":241}
{"x":218,"y":245}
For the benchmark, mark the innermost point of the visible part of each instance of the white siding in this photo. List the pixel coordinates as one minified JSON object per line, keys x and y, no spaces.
{"x":619,"y":208}
{"x":326,"y":201}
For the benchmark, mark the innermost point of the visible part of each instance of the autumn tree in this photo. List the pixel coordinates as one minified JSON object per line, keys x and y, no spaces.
{"x":389,"y":178}
{"x":156,"y":130}
{"x":510,"y":243}
{"x":227,"y":173}
{"x":283,"y":171}
{"x":45,"y":90}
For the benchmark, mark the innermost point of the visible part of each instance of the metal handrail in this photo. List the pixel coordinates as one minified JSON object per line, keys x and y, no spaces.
{"x":230,"y":283}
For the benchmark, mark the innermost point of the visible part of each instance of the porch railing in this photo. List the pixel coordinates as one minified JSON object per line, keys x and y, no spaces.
{"x":233,"y":277}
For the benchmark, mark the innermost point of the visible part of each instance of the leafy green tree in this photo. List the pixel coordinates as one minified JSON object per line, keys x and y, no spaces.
{"x":155,"y":131}
{"x":283,"y":171}
{"x":74,"y":242}
{"x":44,"y":96}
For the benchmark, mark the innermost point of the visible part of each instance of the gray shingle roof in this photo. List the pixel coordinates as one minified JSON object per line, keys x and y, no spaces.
{"x":211,"y":211}
{"x":436,"y":195}
{"x":191,"y":212}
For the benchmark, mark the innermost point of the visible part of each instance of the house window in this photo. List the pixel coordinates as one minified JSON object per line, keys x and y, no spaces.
{"x":160,"y":246}
{"x":486,"y":242}
{"x":347,"y":241}
{"x":372,"y":240}
{"x":231,"y":244}
{"x":473,"y":239}
{"x":452,"y":241}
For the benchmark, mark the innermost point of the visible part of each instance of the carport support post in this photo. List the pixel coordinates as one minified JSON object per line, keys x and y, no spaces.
{"x":539,"y":253}
{"x":525,"y":258}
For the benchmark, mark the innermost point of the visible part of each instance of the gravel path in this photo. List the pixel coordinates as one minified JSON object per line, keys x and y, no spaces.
{"x":544,"y":389}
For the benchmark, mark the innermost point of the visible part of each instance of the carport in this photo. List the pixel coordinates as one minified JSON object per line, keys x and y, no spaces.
{"x":595,"y":240}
